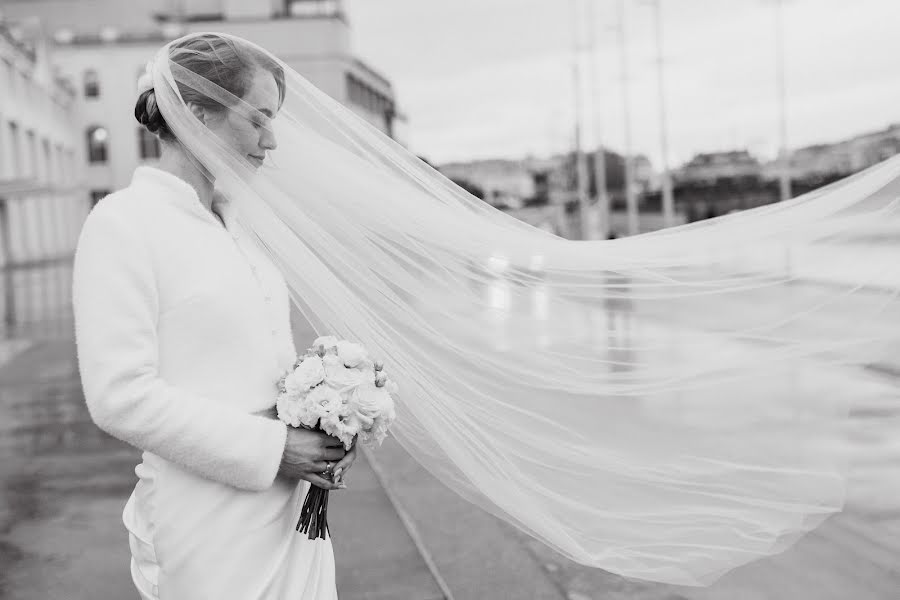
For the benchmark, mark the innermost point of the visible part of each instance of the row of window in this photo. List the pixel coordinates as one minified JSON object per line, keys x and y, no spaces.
{"x":24,"y":155}
{"x":98,"y":144}
{"x":90,"y":81}
{"x":22,"y":89}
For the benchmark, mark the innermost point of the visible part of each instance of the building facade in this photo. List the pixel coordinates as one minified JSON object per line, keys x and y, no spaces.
{"x":41,"y":204}
{"x":105,"y":59}
{"x":830,"y":161}
{"x":504,"y":183}
{"x":711,"y":167}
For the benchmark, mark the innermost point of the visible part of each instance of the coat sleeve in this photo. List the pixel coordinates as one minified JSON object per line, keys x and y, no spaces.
{"x":116,"y":305}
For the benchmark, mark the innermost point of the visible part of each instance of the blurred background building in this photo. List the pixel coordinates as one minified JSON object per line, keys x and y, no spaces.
{"x":104,"y":59}
{"x":39,"y":210}
{"x":544,"y":191}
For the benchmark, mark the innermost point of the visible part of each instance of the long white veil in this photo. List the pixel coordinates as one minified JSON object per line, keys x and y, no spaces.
{"x":667,"y":406}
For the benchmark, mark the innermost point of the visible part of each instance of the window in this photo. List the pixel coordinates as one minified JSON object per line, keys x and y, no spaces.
{"x":47,"y":161}
{"x":70,"y":165}
{"x":4,"y":151}
{"x":28,"y":88}
{"x":32,"y":150}
{"x":364,"y":96}
{"x":15,"y":82}
{"x":311,"y":8}
{"x":148,"y":144}
{"x":9,"y":75}
{"x":97,"y":196}
{"x":356,"y":90}
{"x":97,"y":138}
{"x":91,"y":84}
{"x":15,"y":151}
{"x":59,"y":165}
{"x":361,"y":94}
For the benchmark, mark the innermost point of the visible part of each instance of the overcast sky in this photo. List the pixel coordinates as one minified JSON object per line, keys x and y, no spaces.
{"x":493,"y":78}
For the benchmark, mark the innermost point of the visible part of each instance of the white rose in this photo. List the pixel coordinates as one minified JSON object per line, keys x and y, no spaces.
{"x":370,"y":401}
{"x":342,"y":427}
{"x":337,"y":375}
{"x":384,"y":421}
{"x":388,"y":412}
{"x":351,"y":354}
{"x":376,"y":434}
{"x":324,"y":401}
{"x":388,"y":384}
{"x":288,"y":411}
{"x":308,"y":375}
{"x":293,"y":388}
{"x":329,"y":341}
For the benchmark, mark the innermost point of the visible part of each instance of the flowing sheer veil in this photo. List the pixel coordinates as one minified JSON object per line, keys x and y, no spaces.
{"x":667,"y":406}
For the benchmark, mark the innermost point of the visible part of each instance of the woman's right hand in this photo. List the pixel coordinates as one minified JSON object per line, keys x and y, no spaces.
{"x":307,"y":454}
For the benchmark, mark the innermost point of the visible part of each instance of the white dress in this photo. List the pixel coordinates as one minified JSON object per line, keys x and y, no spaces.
{"x":183,"y":329}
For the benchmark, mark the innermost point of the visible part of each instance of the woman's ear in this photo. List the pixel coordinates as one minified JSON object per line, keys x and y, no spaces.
{"x":198,"y":111}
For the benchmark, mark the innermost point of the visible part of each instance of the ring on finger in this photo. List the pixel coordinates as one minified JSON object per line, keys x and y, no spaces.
{"x":328,"y":466}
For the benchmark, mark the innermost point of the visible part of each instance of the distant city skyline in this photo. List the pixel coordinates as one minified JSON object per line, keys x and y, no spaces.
{"x":494,"y":79}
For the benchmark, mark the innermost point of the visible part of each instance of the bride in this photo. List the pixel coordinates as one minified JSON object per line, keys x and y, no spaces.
{"x":713,"y":434}
{"x":183,"y":329}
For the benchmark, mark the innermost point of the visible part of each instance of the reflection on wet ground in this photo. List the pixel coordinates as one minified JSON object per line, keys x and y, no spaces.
{"x":61,"y":476}
{"x":35,"y":302}
{"x":855,"y":553}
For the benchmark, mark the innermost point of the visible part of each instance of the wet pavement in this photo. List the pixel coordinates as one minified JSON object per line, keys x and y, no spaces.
{"x":63,"y":484}
{"x":63,"y":480}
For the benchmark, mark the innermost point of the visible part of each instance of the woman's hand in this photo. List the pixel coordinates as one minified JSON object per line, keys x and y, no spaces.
{"x":344,"y":465}
{"x":308,"y":454}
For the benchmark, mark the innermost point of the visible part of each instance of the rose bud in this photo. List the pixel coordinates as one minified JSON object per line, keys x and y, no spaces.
{"x":321,"y":350}
{"x":379,"y":365}
{"x":380,"y":380}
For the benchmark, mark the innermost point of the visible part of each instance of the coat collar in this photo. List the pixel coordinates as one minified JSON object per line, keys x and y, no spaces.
{"x":179,"y":193}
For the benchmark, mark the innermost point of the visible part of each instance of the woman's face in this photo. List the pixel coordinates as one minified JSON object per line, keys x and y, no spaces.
{"x":249,"y":132}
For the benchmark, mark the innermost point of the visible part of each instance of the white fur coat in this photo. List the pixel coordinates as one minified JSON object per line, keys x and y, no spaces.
{"x":183,"y":330}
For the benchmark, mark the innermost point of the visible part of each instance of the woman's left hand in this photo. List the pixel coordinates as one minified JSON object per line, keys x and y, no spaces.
{"x":340,"y":469}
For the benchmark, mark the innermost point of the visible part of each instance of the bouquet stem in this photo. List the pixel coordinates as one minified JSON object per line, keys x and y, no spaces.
{"x":313,"y":516}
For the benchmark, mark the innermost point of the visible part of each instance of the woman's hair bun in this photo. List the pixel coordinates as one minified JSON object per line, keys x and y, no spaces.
{"x":146,"y":111}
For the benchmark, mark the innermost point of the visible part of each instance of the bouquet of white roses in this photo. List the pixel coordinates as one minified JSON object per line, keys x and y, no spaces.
{"x":336,"y":388}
